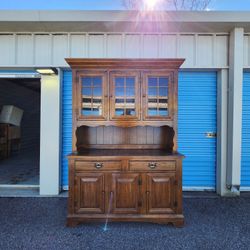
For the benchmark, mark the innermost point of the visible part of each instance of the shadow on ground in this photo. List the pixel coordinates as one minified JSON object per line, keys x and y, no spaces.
{"x":39,"y":223}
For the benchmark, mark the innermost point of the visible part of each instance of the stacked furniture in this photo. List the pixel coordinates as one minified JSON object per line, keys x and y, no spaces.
{"x":125,"y":165}
{"x":4,"y":145}
{"x":10,"y":130}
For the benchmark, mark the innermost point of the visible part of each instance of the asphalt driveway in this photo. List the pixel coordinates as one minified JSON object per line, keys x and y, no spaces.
{"x":39,"y":223}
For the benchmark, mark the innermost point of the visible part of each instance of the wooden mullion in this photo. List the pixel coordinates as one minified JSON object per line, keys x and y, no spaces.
{"x":158,"y":94}
{"x":92,"y":93}
{"x":125,"y":95}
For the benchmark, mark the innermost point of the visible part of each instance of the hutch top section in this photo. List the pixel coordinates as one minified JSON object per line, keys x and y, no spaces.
{"x":125,"y":93}
{"x":98,"y":63}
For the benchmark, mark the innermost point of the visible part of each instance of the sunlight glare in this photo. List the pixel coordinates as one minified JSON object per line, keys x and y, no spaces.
{"x":150,"y":4}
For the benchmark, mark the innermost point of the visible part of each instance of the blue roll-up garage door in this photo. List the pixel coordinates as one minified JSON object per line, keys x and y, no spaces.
{"x":245,"y":153}
{"x":66,"y":125}
{"x":197,"y":115}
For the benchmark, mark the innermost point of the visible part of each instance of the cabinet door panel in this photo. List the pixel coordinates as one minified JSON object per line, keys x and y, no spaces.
{"x":125,"y":95}
{"x":92,"y":96}
{"x":126,"y":193}
{"x":157,"y":96}
{"x":89,"y":195}
{"x":160,"y":193}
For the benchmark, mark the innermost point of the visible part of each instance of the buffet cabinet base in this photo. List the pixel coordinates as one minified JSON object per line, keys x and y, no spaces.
{"x":175,"y":220}
{"x":125,"y":188}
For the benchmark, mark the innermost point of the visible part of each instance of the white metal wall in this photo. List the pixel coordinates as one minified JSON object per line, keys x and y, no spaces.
{"x":50,"y":49}
{"x":247,"y":51}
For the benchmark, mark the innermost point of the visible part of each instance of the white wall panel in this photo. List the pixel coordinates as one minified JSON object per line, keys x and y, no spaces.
{"x":24,"y":50}
{"x":96,"y":46}
{"x":132,"y":46}
{"x":246,"y":51}
{"x":114,"y":46}
{"x":43,"y":48}
{"x":60,"y":49}
{"x":150,"y":46}
{"x":78,"y":46}
{"x":7,"y":50}
{"x":205,"y":50}
{"x":168,"y":46}
{"x":186,"y":49}
{"x":50,"y":49}
{"x":221,"y":50}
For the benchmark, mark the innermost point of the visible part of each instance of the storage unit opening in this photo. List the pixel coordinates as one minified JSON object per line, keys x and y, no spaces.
{"x":19,"y":131}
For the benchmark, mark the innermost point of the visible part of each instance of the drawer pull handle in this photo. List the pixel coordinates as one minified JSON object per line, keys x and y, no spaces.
{"x":99,"y":165}
{"x":152,"y":165}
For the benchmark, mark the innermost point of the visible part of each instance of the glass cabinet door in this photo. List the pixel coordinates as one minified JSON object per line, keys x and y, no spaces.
{"x":93,"y":96}
{"x":125,"y":101}
{"x":157,"y":96}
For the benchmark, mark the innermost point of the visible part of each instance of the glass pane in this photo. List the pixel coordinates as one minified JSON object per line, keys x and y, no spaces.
{"x":119,"y":81}
{"x":96,"y":111}
{"x":158,"y":96}
{"x":163,"y":112}
{"x":130,"y":91}
{"x":86,"y":111}
{"x":97,"y":81}
{"x":163,"y":81}
{"x":152,"y":111}
{"x":129,"y":112}
{"x":92,"y":96}
{"x":119,"y":91}
{"x":119,"y":100}
{"x":87,"y":91}
{"x":86,"y":81}
{"x":163,"y":91}
{"x":163,"y":100}
{"x":152,"y":81}
{"x":119,"y":112}
{"x":130,"y":100}
{"x":86,"y":101}
{"x":152,"y":91}
{"x":130,"y":82}
{"x":91,"y":112}
{"x":97,"y":92}
{"x":125,"y":96}
{"x":97,"y":100}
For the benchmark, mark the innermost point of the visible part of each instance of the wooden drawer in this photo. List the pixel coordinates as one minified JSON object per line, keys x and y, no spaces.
{"x":152,"y":165}
{"x":97,"y":165}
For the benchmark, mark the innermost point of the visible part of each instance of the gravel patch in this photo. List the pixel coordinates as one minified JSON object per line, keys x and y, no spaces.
{"x":39,"y":223}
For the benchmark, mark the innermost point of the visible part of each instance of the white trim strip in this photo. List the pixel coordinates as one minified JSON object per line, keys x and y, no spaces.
{"x":244,"y":189}
{"x":20,"y":75}
{"x":18,"y":186}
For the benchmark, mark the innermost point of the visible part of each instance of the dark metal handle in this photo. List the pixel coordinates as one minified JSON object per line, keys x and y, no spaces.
{"x":152,"y":165}
{"x":211,"y":134}
{"x":98,"y":165}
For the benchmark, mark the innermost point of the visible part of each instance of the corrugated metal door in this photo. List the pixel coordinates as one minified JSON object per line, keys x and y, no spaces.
{"x":66,"y":125}
{"x":196,"y":116}
{"x":245,"y":153}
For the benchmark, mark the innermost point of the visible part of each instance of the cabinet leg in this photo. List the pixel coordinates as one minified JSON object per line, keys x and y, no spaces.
{"x":71,"y":223}
{"x":179,"y":223}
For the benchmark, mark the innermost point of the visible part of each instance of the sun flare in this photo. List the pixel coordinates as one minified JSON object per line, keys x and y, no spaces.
{"x":150,"y":4}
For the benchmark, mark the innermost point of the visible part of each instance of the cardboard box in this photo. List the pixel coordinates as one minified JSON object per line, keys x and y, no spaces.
{"x":11,"y":115}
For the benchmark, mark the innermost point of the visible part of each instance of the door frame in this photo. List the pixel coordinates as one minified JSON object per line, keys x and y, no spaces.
{"x":21,"y":74}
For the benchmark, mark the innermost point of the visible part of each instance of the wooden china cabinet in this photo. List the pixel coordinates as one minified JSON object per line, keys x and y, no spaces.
{"x":125,"y":165}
